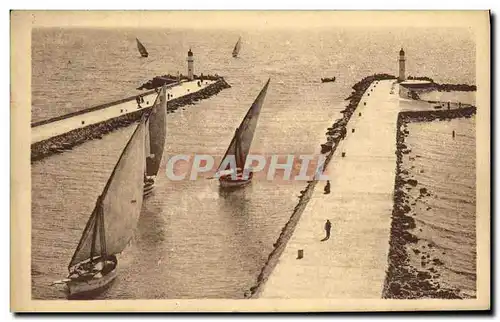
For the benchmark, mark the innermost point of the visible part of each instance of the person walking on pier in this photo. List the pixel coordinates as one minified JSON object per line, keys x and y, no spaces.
{"x":328,"y":227}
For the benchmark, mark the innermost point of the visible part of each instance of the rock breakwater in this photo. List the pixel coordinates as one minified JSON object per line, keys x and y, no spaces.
{"x":404,"y":280}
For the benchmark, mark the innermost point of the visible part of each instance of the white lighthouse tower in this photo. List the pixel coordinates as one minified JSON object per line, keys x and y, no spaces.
{"x":402,"y":76}
{"x":190,"y":60}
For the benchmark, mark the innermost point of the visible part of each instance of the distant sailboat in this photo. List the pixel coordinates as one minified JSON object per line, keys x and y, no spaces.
{"x":156,"y":130}
{"x":240,"y":146}
{"x":141,"y":48}
{"x":111,"y":224}
{"x":237,"y":48}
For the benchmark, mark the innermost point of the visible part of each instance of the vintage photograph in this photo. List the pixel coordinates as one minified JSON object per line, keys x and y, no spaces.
{"x":242,"y":155}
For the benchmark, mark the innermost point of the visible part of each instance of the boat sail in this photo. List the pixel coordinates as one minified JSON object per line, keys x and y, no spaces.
{"x":240,"y":146}
{"x":141,"y":48}
{"x":111,"y":224}
{"x":237,"y":48}
{"x":156,"y":130}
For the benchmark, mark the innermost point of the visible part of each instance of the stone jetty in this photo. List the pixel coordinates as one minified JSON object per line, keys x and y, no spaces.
{"x":335,"y":134}
{"x":63,"y":133}
{"x":361,"y":164}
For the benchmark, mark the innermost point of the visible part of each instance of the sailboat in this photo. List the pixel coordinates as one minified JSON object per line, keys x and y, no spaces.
{"x":240,"y":146}
{"x":112,"y":223}
{"x":156,"y":129}
{"x":141,"y":48}
{"x":237,"y":48}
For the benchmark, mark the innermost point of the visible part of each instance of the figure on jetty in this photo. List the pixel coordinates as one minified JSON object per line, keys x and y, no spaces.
{"x":328,"y":228}
{"x":138,"y":100}
{"x":327,"y":187}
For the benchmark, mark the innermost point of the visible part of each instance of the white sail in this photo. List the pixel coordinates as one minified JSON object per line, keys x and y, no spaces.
{"x":243,"y":137}
{"x":114,"y":219}
{"x":237,"y":48}
{"x":156,"y":132}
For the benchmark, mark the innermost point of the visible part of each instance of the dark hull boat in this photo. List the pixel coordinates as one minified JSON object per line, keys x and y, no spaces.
{"x":235,"y":176}
{"x":327,"y":80}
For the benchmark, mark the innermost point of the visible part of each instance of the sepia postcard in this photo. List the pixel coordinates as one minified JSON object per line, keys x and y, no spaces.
{"x":250,"y":161}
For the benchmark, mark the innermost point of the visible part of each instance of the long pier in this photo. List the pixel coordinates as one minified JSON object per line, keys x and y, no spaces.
{"x":62,"y":133}
{"x":61,"y":125}
{"x":353,"y":262}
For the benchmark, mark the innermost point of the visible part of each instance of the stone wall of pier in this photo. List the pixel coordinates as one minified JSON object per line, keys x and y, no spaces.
{"x":334,"y":136}
{"x":403,"y":281}
{"x":67,"y":141}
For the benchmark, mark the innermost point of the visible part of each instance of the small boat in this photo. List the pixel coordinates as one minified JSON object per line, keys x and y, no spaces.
{"x":239,"y":147}
{"x":237,"y":48}
{"x":327,"y":80}
{"x":141,"y":48}
{"x":112,"y":223}
{"x":156,"y":130}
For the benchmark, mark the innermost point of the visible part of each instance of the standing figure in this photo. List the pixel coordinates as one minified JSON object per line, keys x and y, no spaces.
{"x":327,"y":187}
{"x":328,"y":227}
{"x":138,"y":100}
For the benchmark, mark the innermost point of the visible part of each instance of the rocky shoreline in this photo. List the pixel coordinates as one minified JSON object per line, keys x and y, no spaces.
{"x":446,"y":87}
{"x":67,"y":141}
{"x":159,"y":81}
{"x":334,"y":135}
{"x":403,"y":281}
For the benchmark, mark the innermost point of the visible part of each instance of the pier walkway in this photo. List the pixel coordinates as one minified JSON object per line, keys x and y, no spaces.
{"x":46,"y":131}
{"x":352,"y":263}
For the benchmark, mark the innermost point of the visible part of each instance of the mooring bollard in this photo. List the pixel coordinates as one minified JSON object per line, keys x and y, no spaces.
{"x":300,"y":254}
{"x":343,"y":154}
{"x":359,"y":114}
{"x":364,"y":105}
{"x":352,"y":130}
{"x":83,"y":122}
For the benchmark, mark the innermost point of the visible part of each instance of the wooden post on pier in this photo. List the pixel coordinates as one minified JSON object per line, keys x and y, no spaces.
{"x":352,"y":130}
{"x":343,"y":154}
{"x":300,"y":254}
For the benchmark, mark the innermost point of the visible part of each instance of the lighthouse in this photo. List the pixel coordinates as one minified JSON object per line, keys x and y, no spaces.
{"x":401,"y":77}
{"x":190,"y":60}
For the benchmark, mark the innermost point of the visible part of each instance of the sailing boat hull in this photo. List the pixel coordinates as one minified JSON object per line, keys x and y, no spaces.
{"x":149,"y":186}
{"x":228,"y":182}
{"x":90,"y":288}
